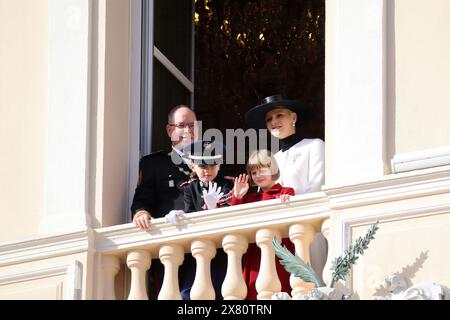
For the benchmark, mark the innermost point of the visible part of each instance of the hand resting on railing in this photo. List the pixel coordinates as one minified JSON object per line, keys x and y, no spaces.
{"x":174,"y":216}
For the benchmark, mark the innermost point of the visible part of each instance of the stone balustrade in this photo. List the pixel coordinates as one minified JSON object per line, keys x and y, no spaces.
{"x":202,"y":233}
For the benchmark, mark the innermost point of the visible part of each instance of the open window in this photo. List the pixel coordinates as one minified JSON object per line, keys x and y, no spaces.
{"x":167,"y":67}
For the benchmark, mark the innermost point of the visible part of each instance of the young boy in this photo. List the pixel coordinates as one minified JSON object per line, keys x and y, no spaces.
{"x":207,"y":189}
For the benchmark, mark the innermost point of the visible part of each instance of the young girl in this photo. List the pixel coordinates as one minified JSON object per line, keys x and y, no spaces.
{"x":262,"y":171}
{"x":207,"y":189}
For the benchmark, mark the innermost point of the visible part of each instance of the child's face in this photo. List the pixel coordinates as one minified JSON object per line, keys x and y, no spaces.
{"x":206,"y":172}
{"x":262,"y":177}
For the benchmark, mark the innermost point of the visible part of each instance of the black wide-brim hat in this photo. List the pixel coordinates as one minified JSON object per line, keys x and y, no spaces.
{"x":205,"y":152}
{"x":256,"y":116}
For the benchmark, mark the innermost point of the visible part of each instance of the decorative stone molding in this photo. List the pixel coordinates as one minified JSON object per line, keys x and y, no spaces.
{"x":44,"y":247}
{"x":318,"y":205}
{"x":322,"y":293}
{"x":213,"y":223}
{"x":396,"y":286}
{"x":393,"y":187}
{"x":73,"y":285}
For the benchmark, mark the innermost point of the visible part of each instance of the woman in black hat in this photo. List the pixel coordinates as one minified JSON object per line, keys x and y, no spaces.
{"x":301,"y":161}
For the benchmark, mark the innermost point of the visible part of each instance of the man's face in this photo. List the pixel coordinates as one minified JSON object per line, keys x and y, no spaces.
{"x":182,"y":130}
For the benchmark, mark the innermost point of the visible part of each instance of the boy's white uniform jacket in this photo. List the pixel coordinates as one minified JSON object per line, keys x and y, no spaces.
{"x":302,"y":166}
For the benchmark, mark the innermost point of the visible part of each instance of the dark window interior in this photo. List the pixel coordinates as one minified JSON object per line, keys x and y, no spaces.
{"x":247,"y":50}
{"x":244,"y":51}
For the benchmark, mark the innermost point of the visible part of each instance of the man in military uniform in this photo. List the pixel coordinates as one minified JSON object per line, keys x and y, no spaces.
{"x":163,"y":173}
{"x":160,"y":187}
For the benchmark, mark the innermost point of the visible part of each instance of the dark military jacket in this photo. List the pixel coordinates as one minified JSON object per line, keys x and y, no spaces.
{"x":161,"y":184}
{"x":193,"y":194}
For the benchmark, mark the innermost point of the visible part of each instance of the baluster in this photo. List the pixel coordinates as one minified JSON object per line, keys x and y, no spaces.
{"x":301,"y":235}
{"x":234,"y":287}
{"x":267,"y":282}
{"x":203,"y":251}
{"x":171,"y":257}
{"x":326,"y":274}
{"x":110,"y":266}
{"x":139,"y":262}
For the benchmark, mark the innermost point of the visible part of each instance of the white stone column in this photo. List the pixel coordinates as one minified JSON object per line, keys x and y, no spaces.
{"x":267,"y":282}
{"x":203,"y":251}
{"x":139,"y":262}
{"x":234,"y":287}
{"x":66,"y":168}
{"x":301,"y":235}
{"x":355,"y":91}
{"x":326,"y":274}
{"x":110,"y":267}
{"x":171,"y":257}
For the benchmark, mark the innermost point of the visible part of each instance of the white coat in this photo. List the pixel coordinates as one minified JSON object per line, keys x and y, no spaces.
{"x":302,"y":166}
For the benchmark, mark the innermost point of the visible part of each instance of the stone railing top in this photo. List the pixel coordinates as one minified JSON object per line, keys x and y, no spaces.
{"x":213,"y":224}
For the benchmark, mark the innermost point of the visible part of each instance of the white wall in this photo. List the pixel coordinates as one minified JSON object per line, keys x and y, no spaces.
{"x":422,"y":75}
{"x":116,"y":116}
{"x":24,"y":54}
{"x":387,"y":80}
{"x":355,"y":91}
{"x":64,"y":125}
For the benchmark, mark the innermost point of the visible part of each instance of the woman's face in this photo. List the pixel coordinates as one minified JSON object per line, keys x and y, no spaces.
{"x":206,"y":173}
{"x":280,"y":121}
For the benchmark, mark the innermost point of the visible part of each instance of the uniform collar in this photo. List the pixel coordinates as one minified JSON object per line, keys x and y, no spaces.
{"x":206,"y":184}
{"x":182,"y":156}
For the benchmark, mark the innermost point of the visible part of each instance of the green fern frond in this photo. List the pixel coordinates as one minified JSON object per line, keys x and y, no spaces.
{"x":295,"y":265}
{"x":341,"y":265}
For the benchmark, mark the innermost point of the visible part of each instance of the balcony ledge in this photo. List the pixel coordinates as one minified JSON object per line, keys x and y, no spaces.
{"x":244,"y":219}
{"x":388,"y":188}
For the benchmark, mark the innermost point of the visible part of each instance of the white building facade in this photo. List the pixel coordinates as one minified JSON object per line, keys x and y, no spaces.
{"x":69,"y":136}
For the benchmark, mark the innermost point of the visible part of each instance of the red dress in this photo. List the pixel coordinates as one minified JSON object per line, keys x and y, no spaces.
{"x":253,"y":256}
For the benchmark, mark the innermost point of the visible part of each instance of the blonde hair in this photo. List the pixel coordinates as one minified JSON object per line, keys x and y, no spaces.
{"x":262,"y":159}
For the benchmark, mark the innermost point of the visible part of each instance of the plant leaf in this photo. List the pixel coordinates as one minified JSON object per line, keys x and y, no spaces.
{"x":295,"y":265}
{"x":342,"y":264}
